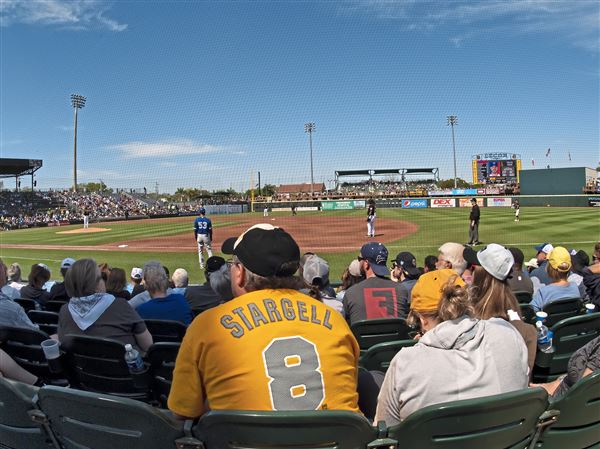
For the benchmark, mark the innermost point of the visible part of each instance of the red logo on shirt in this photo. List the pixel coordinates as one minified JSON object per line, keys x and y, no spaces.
{"x":381,"y":303}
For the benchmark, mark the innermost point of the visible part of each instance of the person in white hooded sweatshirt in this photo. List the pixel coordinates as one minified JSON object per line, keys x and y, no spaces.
{"x":457,"y":357}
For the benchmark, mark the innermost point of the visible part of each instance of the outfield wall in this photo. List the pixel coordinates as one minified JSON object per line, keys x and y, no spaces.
{"x":440,"y":202}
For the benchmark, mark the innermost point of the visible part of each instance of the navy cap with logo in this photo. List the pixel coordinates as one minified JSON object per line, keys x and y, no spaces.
{"x":214,"y":263}
{"x":265,"y":250}
{"x":377,"y":255}
{"x":407,"y":263}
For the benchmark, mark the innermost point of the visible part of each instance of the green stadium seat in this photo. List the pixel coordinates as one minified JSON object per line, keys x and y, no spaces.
{"x":506,"y":420}
{"x":54,"y":305}
{"x":569,"y":335}
{"x":47,"y":321}
{"x":323,"y":429}
{"x":166,"y":330}
{"x":378,"y":357}
{"x":24,"y":346}
{"x":98,"y":364}
{"x":523,"y":297}
{"x":371,"y":332}
{"x":578,"y":426}
{"x":86,"y":420}
{"x":17,"y":429}
{"x":161,"y":357}
{"x":27,"y":304}
{"x":562,"y":309}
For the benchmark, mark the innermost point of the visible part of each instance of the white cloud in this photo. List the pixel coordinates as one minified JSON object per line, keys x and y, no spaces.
{"x":577,"y":21}
{"x":171,"y":148}
{"x":71,"y":14}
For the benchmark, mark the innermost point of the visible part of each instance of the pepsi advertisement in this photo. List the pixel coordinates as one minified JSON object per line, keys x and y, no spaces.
{"x":414,"y":204}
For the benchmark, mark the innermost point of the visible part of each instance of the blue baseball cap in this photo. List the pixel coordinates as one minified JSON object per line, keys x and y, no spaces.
{"x":544,"y":248}
{"x":377,"y":255}
{"x":202,"y":211}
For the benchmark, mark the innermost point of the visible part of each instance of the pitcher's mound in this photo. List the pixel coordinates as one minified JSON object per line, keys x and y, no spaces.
{"x":84,"y":231}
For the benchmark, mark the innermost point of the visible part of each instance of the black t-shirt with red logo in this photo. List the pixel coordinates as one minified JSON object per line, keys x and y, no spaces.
{"x":373,"y":298}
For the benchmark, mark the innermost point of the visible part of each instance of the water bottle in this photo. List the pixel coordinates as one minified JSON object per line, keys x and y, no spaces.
{"x":133,"y":359}
{"x":544,"y":337}
{"x":590,"y":308}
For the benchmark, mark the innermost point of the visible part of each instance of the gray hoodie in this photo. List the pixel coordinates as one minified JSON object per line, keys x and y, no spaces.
{"x":460,"y":359}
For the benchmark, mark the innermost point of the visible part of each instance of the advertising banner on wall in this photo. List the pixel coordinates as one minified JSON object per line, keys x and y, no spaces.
{"x":443,"y":202}
{"x":461,"y":192}
{"x":439,"y":192}
{"x":594,"y":201}
{"x":343,"y":205}
{"x":466,"y":202}
{"x":414,"y":204}
{"x":499,"y":202}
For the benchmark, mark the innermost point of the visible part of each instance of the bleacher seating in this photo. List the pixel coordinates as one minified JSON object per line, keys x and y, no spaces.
{"x":379,"y":356}
{"x":561,"y":309}
{"x":166,"y":330}
{"x":47,"y":321}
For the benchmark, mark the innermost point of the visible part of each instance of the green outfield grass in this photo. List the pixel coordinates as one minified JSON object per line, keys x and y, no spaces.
{"x":572,"y":227}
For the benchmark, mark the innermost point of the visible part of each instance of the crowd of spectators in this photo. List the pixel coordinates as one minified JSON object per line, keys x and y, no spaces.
{"x":267,"y":301}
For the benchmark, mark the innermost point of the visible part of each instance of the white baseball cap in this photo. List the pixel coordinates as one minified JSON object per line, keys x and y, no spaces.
{"x":136,"y":273}
{"x":66,"y":263}
{"x":316,"y":268}
{"x":496,"y":260}
{"x":532,"y":263}
{"x":544,"y":248}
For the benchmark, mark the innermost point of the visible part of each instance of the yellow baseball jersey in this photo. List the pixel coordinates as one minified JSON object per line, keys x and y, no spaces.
{"x":266,"y":350}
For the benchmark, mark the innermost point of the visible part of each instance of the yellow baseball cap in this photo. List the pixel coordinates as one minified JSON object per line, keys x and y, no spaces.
{"x":560,"y":259}
{"x":427,"y":292}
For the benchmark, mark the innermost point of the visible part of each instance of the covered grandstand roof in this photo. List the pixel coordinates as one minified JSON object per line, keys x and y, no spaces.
{"x":386,"y":171}
{"x":11,"y":168}
{"x":300,"y":188}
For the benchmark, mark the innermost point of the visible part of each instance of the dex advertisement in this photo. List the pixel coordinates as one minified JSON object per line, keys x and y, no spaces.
{"x":443,"y":202}
{"x":414,"y":204}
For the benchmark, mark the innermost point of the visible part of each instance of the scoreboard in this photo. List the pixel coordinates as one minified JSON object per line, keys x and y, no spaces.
{"x":496,"y":168}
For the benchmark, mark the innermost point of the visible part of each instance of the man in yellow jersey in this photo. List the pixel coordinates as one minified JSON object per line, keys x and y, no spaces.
{"x":269,"y":348}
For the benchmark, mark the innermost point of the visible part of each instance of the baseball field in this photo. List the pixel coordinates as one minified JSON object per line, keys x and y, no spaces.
{"x":336,"y":236}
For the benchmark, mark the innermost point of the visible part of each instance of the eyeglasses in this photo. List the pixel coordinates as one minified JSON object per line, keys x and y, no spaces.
{"x":360,"y":259}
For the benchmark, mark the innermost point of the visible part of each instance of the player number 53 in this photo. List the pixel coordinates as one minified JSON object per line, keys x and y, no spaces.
{"x":292,"y":365}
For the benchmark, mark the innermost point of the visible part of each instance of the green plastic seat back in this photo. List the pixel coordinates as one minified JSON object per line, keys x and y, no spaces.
{"x":162,"y":357}
{"x":527,"y":312}
{"x":166,"y":330}
{"x":502,"y":421}
{"x":523,"y":297}
{"x":378,"y":357}
{"x":82,"y":420}
{"x":578,"y":425}
{"x":371,"y":332}
{"x":562,"y":309}
{"x":17,"y":430}
{"x":24,"y":346}
{"x":569,"y":335}
{"x":98,"y":364}
{"x":322,"y":429}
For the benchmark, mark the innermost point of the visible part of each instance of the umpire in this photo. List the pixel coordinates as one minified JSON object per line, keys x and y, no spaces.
{"x":474,"y":223}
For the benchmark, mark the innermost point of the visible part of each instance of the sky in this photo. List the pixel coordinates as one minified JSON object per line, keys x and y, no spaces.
{"x":208,"y":94}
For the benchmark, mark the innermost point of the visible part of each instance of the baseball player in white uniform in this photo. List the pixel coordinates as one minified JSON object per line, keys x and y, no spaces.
{"x":371,"y":215}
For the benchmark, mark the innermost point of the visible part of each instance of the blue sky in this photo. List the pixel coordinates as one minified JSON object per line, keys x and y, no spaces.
{"x":201,"y":94}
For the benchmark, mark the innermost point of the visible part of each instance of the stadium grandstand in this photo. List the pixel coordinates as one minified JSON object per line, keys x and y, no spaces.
{"x":386,"y":182}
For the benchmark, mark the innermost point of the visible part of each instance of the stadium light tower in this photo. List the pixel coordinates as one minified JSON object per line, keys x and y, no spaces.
{"x":78,"y":101}
{"x":309,"y":128}
{"x":453,"y":120}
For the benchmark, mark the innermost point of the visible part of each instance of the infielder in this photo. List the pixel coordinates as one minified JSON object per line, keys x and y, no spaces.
{"x":203,"y":235}
{"x":517,"y":208}
{"x":371,"y":215}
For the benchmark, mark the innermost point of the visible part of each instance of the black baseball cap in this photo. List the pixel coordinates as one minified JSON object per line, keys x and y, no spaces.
{"x":265,"y":250}
{"x":213,"y":263}
{"x":407,"y":262}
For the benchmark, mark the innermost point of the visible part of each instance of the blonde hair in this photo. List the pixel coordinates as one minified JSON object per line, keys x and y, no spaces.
{"x":491,"y":297}
{"x":558,"y":275}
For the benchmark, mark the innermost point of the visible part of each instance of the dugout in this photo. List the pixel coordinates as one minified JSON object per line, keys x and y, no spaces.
{"x":16,"y":168}
{"x":556,"y":181}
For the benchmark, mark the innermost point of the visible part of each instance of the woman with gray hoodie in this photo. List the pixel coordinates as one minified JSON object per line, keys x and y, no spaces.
{"x":457,"y":357}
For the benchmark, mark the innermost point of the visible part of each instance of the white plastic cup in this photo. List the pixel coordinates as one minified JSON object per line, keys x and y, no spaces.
{"x":541,"y":316}
{"x":590,"y":308}
{"x":51,"y":349}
